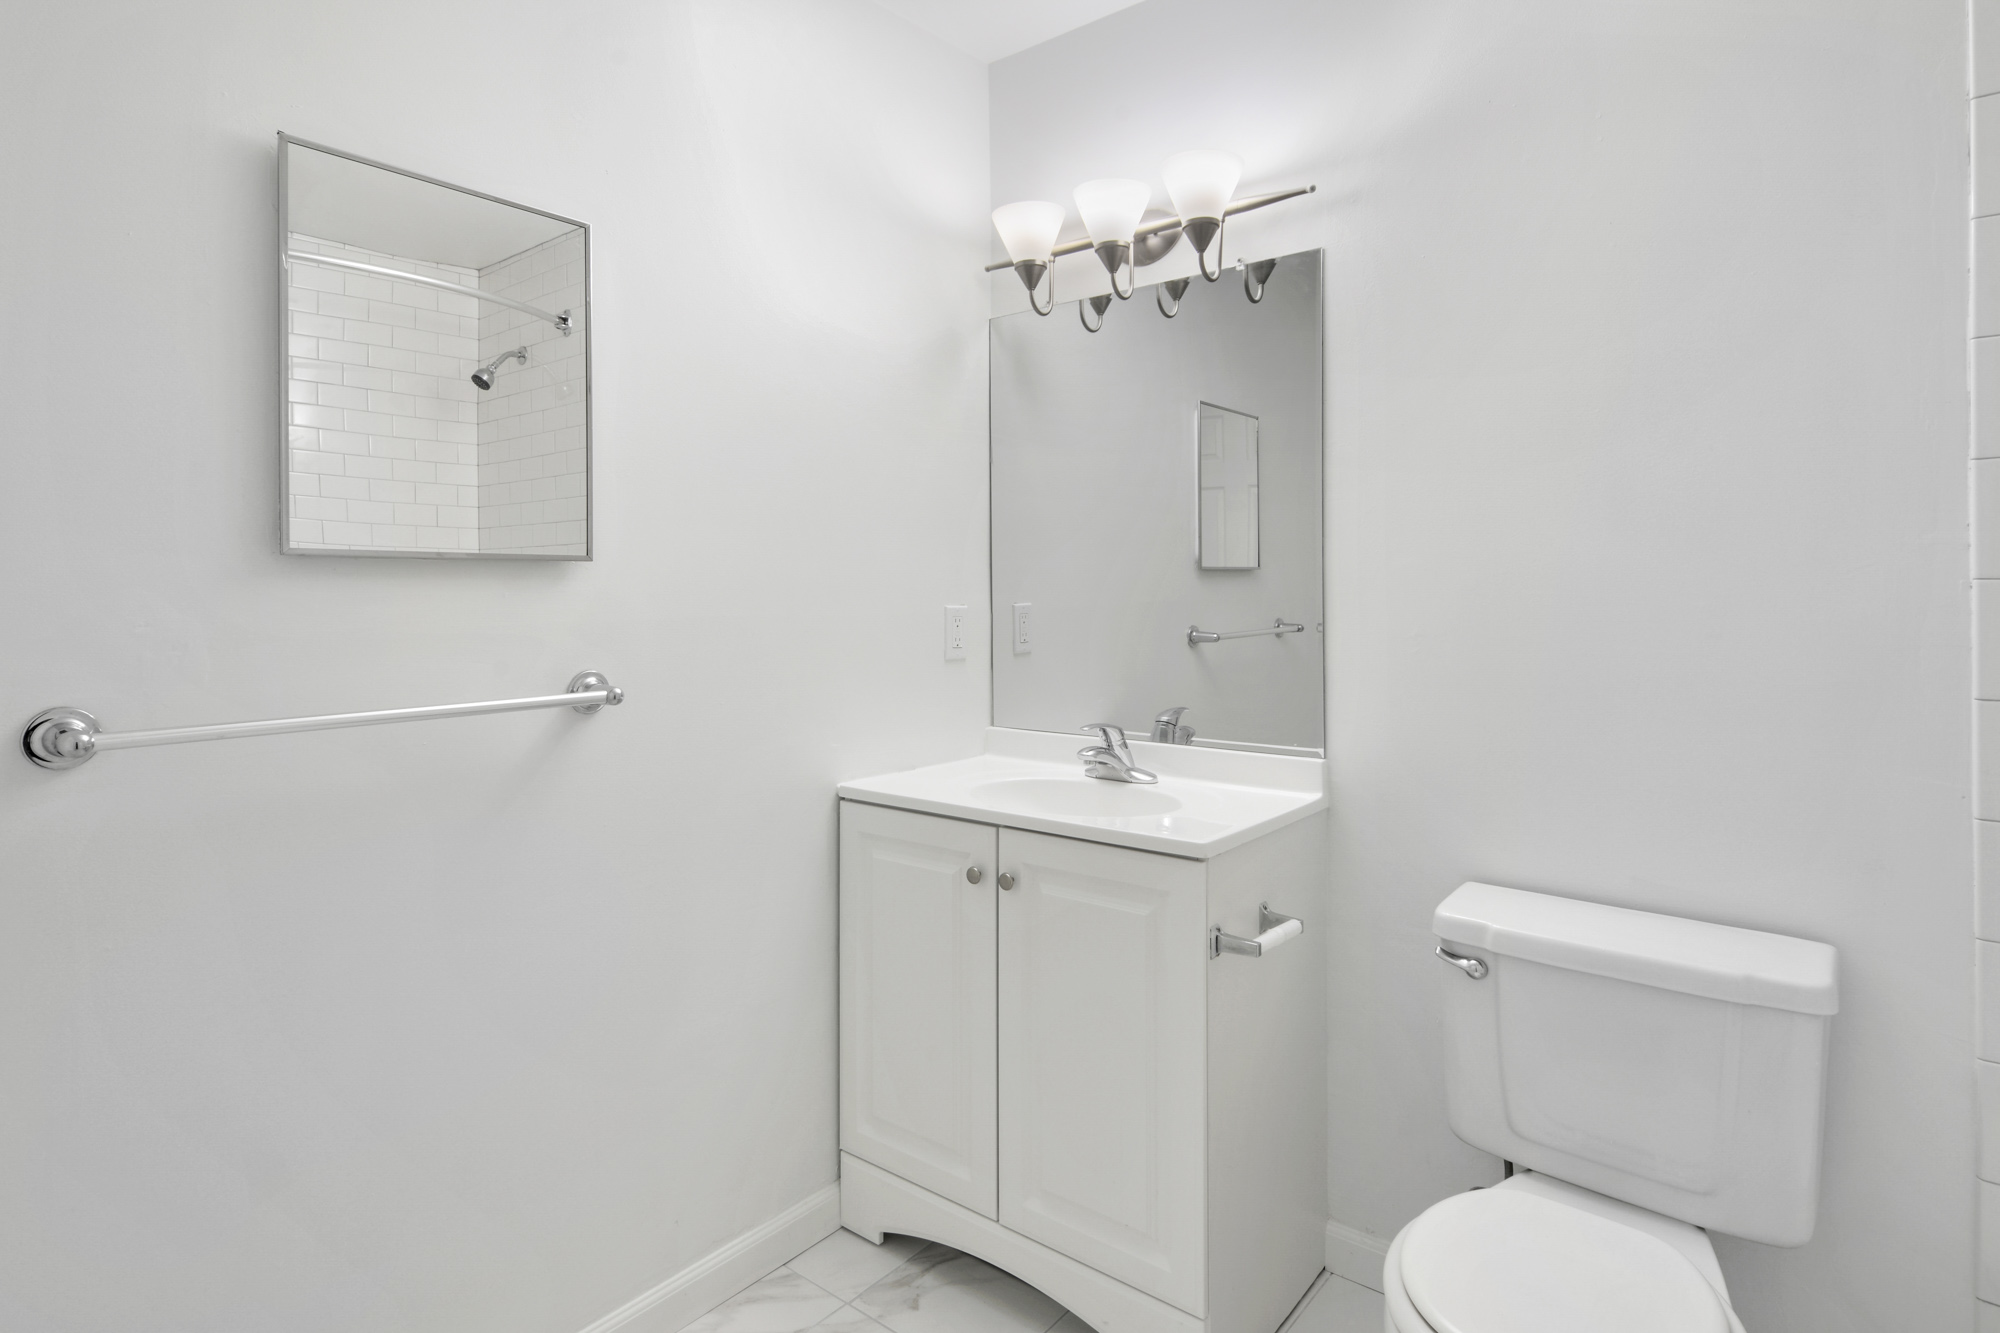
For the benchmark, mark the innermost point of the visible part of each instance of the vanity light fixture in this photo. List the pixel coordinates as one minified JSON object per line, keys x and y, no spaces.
{"x":1255,"y":276}
{"x":1200,"y":182}
{"x":1028,"y":229}
{"x":1111,"y":211}
{"x":1127,"y":237}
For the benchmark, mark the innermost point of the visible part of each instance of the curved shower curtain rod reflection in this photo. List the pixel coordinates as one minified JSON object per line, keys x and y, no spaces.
{"x":424,"y":280}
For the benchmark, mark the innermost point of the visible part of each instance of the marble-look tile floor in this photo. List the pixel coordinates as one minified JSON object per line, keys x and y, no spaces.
{"x":845,"y":1284}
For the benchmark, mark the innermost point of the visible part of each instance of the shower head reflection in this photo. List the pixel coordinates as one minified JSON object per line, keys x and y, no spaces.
{"x":486,"y":374}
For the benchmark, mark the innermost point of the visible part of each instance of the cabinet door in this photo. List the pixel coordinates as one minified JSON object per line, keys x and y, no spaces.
{"x":917,"y":958}
{"x":1103,"y":1024}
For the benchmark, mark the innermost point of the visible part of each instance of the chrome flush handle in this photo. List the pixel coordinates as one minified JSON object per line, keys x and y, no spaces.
{"x":1472,"y":967}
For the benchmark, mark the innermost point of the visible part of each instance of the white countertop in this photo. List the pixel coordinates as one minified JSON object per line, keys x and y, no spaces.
{"x":1206,"y":801}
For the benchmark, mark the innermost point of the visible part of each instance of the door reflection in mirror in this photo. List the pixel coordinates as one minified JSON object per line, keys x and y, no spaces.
{"x":1228,"y":488}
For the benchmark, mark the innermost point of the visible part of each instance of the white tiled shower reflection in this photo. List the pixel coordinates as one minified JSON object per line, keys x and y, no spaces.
{"x":531,"y":470}
{"x":384,"y":426}
{"x":394,"y":448}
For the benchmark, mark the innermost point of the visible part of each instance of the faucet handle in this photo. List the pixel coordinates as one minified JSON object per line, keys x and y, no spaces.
{"x":1111,"y":736}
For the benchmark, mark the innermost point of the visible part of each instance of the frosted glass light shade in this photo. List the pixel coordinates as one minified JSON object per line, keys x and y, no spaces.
{"x":1112,"y":208}
{"x":1029,"y":228}
{"x":1201,"y":182}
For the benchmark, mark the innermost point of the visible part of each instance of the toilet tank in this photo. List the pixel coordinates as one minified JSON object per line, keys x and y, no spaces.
{"x":1678,"y":1065}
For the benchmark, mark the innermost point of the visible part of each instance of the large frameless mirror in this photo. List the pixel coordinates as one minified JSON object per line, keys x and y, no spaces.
{"x":1157,"y":494}
{"x":435,"y":367}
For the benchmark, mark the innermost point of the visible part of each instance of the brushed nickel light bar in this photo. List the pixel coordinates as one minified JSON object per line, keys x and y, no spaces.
{"x":65,"y":737}
{"x":1160,"y":226}
{"x":1127,"y":235}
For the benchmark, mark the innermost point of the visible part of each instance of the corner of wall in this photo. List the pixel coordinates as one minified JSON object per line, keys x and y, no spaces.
{"x":1355,"y":1255}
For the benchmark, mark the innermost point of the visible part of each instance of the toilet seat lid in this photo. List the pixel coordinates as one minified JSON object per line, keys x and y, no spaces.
{"x":1504,"y":1261}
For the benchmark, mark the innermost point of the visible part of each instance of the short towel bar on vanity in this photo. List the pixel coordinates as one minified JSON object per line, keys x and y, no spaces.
{"x":1196,"y":634}
{"x":66,"y":737}
{"x":1274,"y":929}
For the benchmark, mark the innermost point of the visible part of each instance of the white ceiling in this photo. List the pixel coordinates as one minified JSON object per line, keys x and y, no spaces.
{"x":989,"y":29}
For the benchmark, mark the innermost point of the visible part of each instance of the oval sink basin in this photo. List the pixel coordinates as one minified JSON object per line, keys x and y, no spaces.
{"x":1077,"y":798}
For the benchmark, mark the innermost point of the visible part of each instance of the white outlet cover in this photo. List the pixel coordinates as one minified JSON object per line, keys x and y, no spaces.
{"x":1023,"y":641}
{"x":954,"y":634}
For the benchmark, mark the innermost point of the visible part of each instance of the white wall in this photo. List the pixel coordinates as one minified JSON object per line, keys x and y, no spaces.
{"x":1984,"y":361}
{"x":1647,"y":519}
{"x":489,"y":1024}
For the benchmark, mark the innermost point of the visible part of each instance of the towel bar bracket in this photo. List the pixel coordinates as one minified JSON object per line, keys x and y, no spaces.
{"x":591,"y":680}
{"x":60,"y":737}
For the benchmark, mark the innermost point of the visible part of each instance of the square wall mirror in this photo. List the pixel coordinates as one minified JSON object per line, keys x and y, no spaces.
{"x":435,"y":366}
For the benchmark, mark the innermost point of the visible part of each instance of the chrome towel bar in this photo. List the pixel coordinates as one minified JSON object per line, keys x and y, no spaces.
{"x":66,"y":737}
{"x":1274,"y":929}
{"x":1196,"y":634}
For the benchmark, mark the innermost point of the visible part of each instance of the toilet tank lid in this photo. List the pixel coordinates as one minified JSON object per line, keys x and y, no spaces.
{"x":1670,"y":952}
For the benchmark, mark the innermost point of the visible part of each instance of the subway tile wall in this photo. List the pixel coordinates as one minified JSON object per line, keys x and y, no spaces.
{"x":392,"y":445}
{"x":1983,"y":370}
{"x":531,"y":423}
{"x":383,"y":419}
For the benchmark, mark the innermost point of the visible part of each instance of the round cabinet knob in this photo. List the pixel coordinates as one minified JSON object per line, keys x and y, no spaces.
{"x":1006,"y":880}
{"x":973,"y":874}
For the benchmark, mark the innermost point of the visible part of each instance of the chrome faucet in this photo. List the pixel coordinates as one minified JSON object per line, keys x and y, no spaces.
{"x":1167,"y":728}
{"x":1111,"y":758}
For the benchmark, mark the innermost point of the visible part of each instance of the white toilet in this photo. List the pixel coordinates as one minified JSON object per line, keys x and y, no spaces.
{"x":1655,"y":1077}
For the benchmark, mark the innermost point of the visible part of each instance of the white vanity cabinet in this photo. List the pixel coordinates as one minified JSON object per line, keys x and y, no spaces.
{"x":917,"y":967}
{"x":1043,"y":1062}
{"x":1102,"y":1076}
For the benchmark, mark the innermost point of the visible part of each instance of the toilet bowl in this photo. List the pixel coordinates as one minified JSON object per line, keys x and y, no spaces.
{"x":1537,"y":1255}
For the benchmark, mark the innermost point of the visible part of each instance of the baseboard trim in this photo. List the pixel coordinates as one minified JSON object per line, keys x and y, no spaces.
{"x":1355,"y":1255}
{"x":728,"y":1269}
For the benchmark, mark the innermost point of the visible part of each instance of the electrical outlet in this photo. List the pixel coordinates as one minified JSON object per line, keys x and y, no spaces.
{"x":1022,"y":642}
{"x":954,"y":634}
